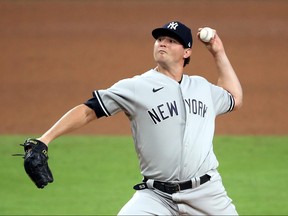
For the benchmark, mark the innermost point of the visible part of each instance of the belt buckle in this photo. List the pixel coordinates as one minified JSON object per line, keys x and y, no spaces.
{"x":178,"y":187}
{"x":172,"y":188}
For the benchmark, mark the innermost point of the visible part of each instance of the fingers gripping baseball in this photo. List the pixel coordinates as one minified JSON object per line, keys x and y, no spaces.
{"x":206,"y":34}
{"x":210,"y":39}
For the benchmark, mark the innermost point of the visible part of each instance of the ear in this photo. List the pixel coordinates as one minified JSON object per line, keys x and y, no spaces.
{"x":187,"y":52}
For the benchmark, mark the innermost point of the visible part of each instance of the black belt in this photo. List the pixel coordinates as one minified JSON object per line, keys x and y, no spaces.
{"x":171,"y":188}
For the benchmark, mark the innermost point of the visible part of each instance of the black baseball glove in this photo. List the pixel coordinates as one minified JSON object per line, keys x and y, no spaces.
{"x":35,"y":162}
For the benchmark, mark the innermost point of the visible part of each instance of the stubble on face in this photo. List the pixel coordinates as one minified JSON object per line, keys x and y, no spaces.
{"x":166,"y":55}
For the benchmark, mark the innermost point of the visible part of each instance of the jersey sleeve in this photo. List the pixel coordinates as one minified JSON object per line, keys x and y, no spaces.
{"x":118,"y":97}
{"x":223,"y":101}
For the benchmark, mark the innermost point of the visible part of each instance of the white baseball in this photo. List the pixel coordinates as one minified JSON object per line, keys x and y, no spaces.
{"x":206,"y":34}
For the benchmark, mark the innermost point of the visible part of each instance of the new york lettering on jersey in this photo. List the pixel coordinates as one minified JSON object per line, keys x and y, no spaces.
{"x":170,"y":109}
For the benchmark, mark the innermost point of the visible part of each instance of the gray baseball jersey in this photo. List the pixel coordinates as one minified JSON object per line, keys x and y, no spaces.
{"x":172,"y":123}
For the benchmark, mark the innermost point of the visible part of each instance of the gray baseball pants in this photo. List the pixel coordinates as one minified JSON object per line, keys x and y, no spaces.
{"x":209,"y":198}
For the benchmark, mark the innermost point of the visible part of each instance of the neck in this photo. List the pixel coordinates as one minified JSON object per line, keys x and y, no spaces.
{"x":174,"y":73}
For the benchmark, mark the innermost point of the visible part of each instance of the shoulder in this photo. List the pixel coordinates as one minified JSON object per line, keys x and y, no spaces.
{"x":131,"y":82}
{"x":196,"y":80}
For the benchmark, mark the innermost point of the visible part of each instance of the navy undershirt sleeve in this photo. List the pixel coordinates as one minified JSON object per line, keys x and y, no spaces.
{"x":94,"y":104}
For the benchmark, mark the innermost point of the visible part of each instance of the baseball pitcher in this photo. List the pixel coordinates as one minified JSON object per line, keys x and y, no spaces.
{"x":172,"y":119}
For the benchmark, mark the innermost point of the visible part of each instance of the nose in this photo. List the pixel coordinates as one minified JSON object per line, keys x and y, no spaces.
{"x":163,"y":41}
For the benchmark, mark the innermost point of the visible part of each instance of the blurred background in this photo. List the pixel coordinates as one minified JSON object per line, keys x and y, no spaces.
{"x":55,"y":53}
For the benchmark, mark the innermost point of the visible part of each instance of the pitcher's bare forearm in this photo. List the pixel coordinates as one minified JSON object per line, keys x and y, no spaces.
{"x":76,"y":118}
{"x":227,"y":78}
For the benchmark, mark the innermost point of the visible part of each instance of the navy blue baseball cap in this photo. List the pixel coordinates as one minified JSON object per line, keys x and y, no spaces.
{"x":176,"y":30}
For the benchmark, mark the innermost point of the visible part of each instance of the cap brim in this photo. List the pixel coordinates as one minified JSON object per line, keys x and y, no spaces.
{"x":166,"y":32}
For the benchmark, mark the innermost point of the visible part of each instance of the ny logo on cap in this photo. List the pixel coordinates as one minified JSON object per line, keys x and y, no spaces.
{"x":172,"y":25}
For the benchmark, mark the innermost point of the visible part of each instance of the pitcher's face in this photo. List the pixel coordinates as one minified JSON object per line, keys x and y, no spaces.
{"x":169,"y":51}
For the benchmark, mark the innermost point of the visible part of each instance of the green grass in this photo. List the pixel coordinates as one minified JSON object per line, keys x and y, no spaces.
{"x":94,"y":175}
{"x":255,"y":174}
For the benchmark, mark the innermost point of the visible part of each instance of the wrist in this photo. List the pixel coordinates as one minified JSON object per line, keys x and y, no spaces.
{"x":218,"y":53}
{"x":44,"y":140}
